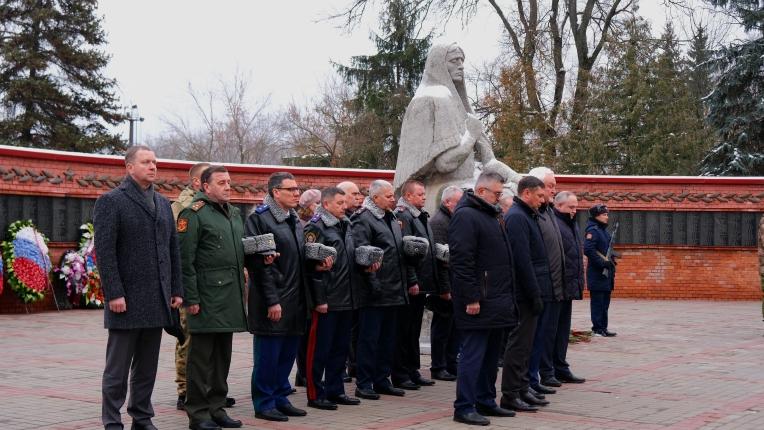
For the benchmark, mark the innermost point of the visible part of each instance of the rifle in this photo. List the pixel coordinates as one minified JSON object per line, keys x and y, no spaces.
{"x":609,"y":255}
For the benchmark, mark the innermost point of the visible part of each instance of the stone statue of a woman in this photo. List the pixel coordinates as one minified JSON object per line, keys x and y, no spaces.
{"x":442,"y":142}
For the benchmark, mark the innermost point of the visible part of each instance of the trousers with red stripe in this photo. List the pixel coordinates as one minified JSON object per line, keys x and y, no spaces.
{"x":328,"y":344}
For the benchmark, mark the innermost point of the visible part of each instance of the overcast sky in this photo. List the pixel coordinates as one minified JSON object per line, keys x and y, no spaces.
{"x":159,"y":47}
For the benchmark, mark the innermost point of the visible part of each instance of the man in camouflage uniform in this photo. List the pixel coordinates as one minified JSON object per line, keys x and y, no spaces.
{"x":212,"y":256}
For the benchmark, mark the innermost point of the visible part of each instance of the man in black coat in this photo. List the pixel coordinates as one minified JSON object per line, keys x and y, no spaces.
{"x":422,"y":276}
{"x":277,"y":298}
{"x":379,"y":292}
{"x":533,"y":284}
{"x":482,"y":288}
{"x":139,"y":263}
{"x":332,"y":296}
{"x":444,"y":338}
{"x":565,"y":205}
{"x":548,"y":321}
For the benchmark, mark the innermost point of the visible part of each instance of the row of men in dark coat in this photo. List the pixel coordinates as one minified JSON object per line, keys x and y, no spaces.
{"x":495,"y":279}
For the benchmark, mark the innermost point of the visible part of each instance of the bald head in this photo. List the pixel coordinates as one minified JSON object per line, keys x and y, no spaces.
{"x":353,"y":196}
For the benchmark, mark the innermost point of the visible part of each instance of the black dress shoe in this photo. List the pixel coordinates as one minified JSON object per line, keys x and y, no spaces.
{"x":291,"y":411}
{"x":390,"y":391}
{"x":406,"y":385}
{"x":229,"y":402}
{"x":494,"y":411}
{"x":517,"y":404}
{"x":443,"y":375}
{"x":609,"y":333}
{"x":144,"y":426}
{"x":206,"y":425}
{"x":536,"y":394}
{"x":532,"y":400}
{"x":322,"y":404}
{"x":471,"y":418}
{"x":344,"y":399}
{"x":543,"y":389}
{"x":424,"y":382}
{"x":551,"y":382}
{"x":271,"y":415}
{"x":366,"y":393}
{"x":181,"y":404}
{"x":570,"y":379}
{"x":227,"y":422}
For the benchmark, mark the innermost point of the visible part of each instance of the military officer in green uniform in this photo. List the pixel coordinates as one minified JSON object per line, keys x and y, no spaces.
{"x":212,"y":256}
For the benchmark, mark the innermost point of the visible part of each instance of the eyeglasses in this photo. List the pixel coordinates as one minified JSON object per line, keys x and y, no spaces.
{"x":496,"y":194}
{"x":290,"y":189}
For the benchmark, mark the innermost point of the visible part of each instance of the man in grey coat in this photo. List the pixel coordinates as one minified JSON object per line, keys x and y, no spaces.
{"x":139,"y":263}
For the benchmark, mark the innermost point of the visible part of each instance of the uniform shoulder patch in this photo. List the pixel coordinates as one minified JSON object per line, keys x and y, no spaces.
{"x":310,"y":237}
{"x":197,"y":205}
{"x":262,"y":208}
{"x":182,"y":225}
{"x":588,"y":236}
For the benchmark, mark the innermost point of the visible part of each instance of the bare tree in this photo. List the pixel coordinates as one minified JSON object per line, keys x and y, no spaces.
{"x":226,"y":126}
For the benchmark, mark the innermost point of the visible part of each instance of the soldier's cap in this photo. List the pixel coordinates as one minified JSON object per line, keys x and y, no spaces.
{"x":597,"y":210}
{"x":367,"y":255}
{"x":414,"y":246}
{"x":442,"y":252}
{"x":263,"y":244}
{"x":319,"y":251}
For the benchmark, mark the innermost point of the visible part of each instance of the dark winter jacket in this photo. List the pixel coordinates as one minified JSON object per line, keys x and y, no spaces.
{"x":555,"y":252}
{"x":282,"y":282}
{"x":415,"y":222}
{"x":481,"y":266}
{"x":212,"y":258}
{"x":574,"y":256}
{"x":531,"y":263}
{"x":439,"y":225}
{"x":596,"y":242}
{"x":334,"y":287}
{"x":385,"y":287}
{"x":138,"y":256}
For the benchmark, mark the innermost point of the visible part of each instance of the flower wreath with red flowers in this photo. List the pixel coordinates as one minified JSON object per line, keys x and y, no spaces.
{"x":26,"y":261}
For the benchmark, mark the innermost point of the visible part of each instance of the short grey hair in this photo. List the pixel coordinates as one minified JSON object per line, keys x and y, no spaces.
{"x":563,"y":196}
{"x":449,"y":192}
{"x":378,"y":186}
{"x":486,"y":178}
{"x":541,"y":172}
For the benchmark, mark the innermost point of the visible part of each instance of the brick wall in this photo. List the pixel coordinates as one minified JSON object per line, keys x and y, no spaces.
{"x":653,"y":272}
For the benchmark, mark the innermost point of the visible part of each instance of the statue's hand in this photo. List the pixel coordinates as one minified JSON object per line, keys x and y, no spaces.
{"x":474,"y":126}
{"x":497,"y":166}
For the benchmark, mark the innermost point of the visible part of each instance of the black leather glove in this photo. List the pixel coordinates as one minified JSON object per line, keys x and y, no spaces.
{"x":538,"y":306}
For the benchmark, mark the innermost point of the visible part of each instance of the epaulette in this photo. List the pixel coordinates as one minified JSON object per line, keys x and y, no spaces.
{"x":315,"y":218}
{"x":262,"y":208}
{"x":197,"y":205}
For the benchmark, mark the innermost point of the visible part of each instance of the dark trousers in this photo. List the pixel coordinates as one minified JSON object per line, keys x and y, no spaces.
{"x":599,"y":302}
{"x":328,"y":344}
{"x":353,"y":345}
{"x":134,"y":354}
{"x":476,"y":377}
{"x":559,"y":364}
{"x":302,"y":353}
{"x":273,"y":360}
{"x":209,"y":359}
{"x":376,"y":346}
{"x":544,"y":340}
{"x":444,"y":343}
{"x":514,"y":376}
{"x":406,"y":362}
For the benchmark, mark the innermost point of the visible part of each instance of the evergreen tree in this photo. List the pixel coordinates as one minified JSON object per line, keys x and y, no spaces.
{"x":736,"y":104}
{"x":699,"y":68}
{"x":53,"y":91}
{"x":386,"y":81}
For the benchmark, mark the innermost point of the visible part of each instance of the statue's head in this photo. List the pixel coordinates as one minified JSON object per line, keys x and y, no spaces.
{"x":455,"y":63}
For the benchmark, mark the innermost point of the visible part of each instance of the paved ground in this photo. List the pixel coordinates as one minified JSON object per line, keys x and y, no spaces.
{"x":674,"y":365}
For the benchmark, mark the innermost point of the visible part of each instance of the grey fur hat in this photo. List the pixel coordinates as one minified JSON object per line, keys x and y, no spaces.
{"x":263,"y":244}
{"x":441,"y":252}
{"x":319,"y":251}
{"x":367,"y":255}
{"x":414,"y":246}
